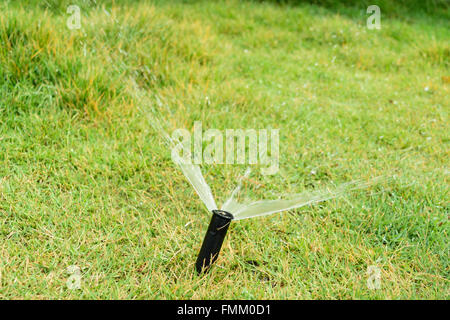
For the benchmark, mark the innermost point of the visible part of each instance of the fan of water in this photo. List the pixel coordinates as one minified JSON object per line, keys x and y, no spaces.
{"x":250,"y":209}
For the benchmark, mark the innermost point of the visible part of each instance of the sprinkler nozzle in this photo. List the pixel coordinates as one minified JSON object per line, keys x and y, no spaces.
{"x":212,"y":243}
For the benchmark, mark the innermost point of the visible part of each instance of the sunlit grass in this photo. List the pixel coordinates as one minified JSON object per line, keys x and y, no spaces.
{"x":85,"y":180}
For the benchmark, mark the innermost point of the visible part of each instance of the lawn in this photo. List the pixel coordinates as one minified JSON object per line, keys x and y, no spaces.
{"x":87,"y":181}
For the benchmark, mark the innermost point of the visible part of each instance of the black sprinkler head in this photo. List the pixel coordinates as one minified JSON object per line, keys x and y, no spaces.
{"x":214,"y":237}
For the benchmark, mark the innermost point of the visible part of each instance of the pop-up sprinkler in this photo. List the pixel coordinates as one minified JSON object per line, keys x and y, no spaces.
{"x":222,"y":218}
{"x":214,"y":237}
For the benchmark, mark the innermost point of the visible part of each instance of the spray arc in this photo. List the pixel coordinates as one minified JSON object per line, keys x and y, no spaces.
{"x":234,"y":210}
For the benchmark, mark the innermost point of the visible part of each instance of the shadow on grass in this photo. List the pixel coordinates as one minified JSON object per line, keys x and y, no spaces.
{"x":401,"y":9}
{"x":431,"y":12}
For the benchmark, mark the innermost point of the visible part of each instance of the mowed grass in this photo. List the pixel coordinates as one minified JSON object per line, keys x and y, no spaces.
{"x":85,"y":180}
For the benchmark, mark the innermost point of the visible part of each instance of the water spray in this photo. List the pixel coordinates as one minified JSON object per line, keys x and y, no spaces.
{"x":234,"y":210}
{"x":213,"y":240}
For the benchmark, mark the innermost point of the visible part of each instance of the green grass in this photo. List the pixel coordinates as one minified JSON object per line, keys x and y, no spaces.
{"x":86,"y":181}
